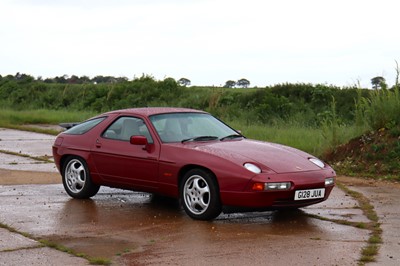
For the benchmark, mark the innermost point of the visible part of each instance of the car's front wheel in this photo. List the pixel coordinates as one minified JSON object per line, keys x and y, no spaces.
{"x":200,"y":195}
{"x":76,"y":179}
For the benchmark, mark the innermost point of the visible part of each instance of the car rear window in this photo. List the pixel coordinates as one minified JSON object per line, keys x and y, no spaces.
{"x":84,"y":127}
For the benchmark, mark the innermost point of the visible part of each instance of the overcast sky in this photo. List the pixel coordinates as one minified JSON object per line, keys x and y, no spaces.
{"x":335,"y":42}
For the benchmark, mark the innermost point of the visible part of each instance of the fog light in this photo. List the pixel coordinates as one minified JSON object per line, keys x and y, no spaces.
{"x":329,"y":181}
{"x":278,"y":186}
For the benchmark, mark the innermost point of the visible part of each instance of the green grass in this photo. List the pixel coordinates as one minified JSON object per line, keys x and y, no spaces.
{"x":14,"y":118}
{"x":99,"y":261}
{"x":313,"y":140}
{"x":368,"y":253}
{"x":21,"y":120}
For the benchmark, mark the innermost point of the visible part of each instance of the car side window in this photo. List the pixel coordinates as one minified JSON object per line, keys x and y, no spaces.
{"x":84,"y":127}
{"x":125,"y":127}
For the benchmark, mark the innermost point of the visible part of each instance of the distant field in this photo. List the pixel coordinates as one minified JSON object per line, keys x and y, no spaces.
{"x":309,"y":139}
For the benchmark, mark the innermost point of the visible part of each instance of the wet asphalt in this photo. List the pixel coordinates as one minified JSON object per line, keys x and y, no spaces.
{"x":133,"y":228}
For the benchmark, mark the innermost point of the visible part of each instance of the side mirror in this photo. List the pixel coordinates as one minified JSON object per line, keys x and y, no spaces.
{"x":140,"y":140}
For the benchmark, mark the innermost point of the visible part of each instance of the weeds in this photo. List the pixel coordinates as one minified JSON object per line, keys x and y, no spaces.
{"x":53,"y":245}
{"x":92,"y":260}
{"x":99,"y":261}
{"x":369,"y":252}
{"x":381,"y":109}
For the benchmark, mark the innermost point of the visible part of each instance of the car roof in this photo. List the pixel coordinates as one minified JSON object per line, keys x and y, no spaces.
{"x":148,"y":111}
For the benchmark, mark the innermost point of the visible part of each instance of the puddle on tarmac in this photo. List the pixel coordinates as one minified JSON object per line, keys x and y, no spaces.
{"x":112,"y":223}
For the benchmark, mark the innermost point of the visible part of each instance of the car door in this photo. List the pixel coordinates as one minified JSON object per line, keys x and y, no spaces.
{"x":120,"y":163}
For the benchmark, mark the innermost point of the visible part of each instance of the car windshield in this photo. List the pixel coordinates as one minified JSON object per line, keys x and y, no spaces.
{"x":182,"y":127}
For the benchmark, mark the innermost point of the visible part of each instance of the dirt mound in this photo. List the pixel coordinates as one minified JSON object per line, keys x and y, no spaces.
{"x":376,"y":153}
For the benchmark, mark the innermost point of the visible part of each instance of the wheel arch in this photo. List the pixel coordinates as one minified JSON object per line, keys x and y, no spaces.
{"x":82,"y":154}
{"x":189,"y":167}
{"x":65,"y":157}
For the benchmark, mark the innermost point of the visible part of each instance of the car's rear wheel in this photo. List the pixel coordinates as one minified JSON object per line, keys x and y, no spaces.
{"x":200,"y":195}
{"x":76,"y":179}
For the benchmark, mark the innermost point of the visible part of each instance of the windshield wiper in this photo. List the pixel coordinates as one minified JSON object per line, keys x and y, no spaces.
{"x":200,"y":138}
{"x":233,"y":136}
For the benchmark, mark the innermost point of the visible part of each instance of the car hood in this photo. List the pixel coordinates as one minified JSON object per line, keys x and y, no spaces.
{"x":272,"y":156}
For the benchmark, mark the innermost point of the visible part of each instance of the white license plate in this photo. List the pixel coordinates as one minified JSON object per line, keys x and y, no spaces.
{"x":309,"y":194}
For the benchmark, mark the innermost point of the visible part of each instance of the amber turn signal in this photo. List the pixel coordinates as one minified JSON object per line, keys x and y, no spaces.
{"x":258,"y":186}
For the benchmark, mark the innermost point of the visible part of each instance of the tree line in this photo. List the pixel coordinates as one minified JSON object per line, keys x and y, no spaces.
{"x":376,"y":82}
{"x":74,"y":79}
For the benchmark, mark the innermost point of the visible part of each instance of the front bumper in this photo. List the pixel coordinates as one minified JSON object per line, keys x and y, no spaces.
{"x":280,"y":199}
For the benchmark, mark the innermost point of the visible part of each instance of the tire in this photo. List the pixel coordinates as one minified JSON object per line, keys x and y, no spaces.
{"x":199,"y":195}
{"x":76,"y":179}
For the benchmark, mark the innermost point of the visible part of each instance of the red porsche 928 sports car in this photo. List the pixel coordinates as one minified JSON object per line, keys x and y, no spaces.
{"x":190,"y":155}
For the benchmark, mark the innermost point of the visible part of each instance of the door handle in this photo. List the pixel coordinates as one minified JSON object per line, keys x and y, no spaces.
{"x":98,"y":143}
